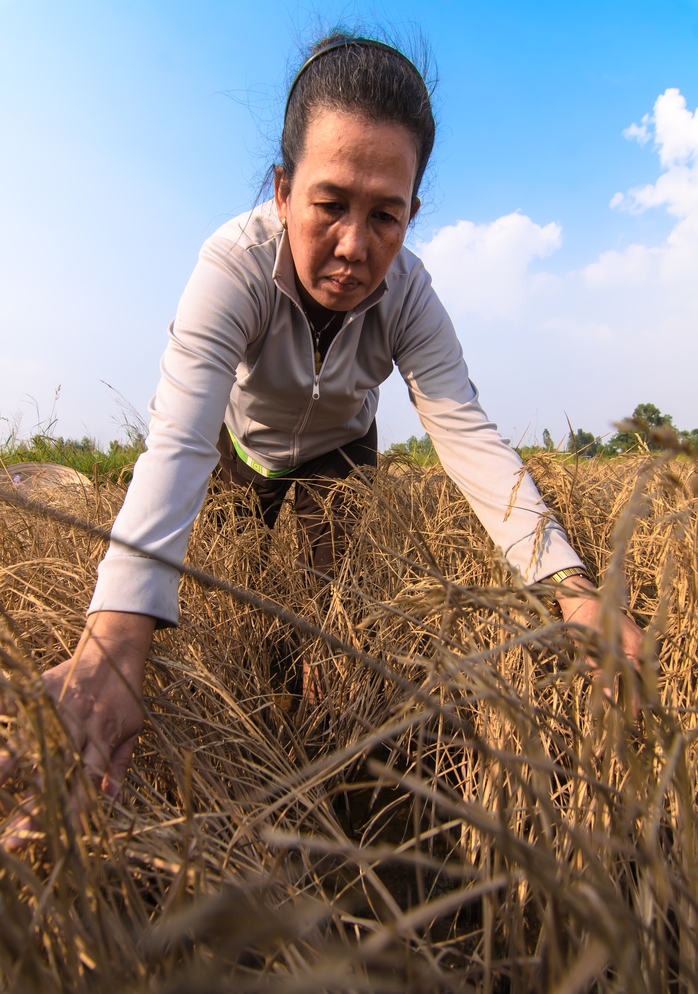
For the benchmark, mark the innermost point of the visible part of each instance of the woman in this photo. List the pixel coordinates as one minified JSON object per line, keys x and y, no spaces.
{"x":294,"y":315}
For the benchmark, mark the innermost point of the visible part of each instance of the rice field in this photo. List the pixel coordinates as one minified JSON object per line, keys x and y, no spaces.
{"x":461,"y":805}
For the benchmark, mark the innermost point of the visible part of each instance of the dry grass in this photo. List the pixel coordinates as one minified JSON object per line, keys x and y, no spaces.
{"x":464,"y":810}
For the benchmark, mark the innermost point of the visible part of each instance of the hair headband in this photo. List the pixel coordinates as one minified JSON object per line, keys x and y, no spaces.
{"x":345,"y":43}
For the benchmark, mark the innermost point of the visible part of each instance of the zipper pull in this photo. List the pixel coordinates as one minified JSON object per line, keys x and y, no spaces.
{"x":316,"y":388}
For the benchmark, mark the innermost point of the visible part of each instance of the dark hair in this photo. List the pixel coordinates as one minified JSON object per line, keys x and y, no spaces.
{"x":376,"y":81}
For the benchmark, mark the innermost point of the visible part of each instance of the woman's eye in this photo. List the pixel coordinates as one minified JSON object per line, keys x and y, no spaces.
{"x":384,"y":216}
{"x":331,"y":205}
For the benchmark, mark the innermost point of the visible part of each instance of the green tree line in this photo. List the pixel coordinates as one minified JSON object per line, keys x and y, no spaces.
{"x":117,"y":459}
{"x":580,"y":442}
{"x":628,"y":439}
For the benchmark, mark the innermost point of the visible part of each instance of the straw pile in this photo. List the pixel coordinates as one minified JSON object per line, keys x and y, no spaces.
{"x":465,"y":808}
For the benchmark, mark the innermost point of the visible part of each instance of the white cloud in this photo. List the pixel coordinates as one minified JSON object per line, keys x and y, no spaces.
{"x":594,"y":342}
{"x":482,"y":269}
{"x":676,"y":141}
{"x":638,"y":133}
{"x":629,"y":268}
{"x":676,"y":129}
{"x":671,"y":268}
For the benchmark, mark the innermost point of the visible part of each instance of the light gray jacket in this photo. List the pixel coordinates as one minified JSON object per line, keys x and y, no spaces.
{"x":241,"y":350}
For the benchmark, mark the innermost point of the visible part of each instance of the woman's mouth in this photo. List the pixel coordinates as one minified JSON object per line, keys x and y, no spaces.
{"x":343,"y":284}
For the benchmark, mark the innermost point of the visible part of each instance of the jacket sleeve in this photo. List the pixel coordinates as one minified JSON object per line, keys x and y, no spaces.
{"x":223,"y":306}
{"x":473,"y":453}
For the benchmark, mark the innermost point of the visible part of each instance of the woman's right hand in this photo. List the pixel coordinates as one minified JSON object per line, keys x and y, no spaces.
{"x":98,"y":693}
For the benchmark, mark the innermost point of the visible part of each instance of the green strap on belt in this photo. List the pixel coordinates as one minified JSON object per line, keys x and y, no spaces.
{"x":271,"y":474}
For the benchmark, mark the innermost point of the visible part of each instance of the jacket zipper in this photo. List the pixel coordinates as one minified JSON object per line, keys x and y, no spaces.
{"x":316,"y":376}
{"x":316,"y":385}
{"x":329,"y":349}
{"x":316,"y":380}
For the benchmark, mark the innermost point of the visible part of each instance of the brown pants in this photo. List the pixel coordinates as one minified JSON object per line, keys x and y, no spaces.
{"x":322,"y":537}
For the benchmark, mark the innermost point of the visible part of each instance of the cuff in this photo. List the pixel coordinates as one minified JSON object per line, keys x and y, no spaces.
{"x":551,"y":554}
{"x":139,"y":586}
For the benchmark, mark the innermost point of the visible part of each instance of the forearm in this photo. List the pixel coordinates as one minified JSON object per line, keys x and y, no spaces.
{"x":118,"y":639}
{"x":502,"y":494}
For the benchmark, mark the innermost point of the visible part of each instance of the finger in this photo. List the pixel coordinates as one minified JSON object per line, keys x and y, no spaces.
{"x":634,"y":658}
{"x":23,"y":827}
{"x":8,"y":762}
{"x":599,"y":676}
{"x":118,"y":767}
{"x":96,"y":759}
{"x":311,"y":684}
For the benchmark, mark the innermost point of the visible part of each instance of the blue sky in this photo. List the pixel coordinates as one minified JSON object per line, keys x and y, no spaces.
{"x":130,"y":130}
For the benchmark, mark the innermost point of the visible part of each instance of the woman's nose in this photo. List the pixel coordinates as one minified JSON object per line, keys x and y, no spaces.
{"x":353,"y":242}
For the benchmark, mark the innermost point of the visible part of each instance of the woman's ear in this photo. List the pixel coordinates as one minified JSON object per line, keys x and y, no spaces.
{"x":282,"y":189}
{"x":416,"y":204}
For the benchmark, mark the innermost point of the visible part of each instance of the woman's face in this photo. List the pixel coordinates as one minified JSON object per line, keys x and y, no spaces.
{"x":348,"y":209}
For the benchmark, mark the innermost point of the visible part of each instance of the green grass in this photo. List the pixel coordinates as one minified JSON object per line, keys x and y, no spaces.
{"x":115,"y":464}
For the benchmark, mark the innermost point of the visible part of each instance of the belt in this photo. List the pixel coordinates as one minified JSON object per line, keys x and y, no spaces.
{"x":270,"y":474}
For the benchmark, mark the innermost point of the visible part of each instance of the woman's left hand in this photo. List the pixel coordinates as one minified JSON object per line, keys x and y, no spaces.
{"x":584,"y":609}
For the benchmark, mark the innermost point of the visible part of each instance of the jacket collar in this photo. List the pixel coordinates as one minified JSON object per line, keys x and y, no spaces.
{"x":284,"y":275}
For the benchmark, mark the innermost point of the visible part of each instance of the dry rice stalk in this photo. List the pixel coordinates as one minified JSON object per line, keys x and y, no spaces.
{"x":463,"y":810}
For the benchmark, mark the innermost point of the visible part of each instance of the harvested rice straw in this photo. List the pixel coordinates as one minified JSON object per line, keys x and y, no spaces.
{"x":463,"y":810}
